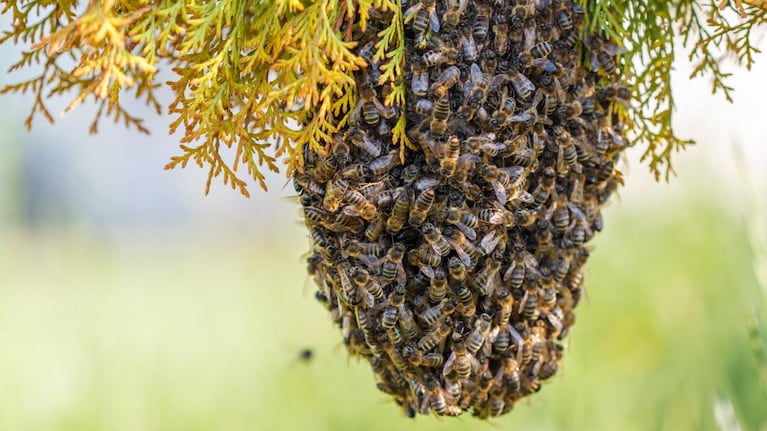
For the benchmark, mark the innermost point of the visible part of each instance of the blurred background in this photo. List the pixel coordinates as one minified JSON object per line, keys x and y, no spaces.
{"x":129,"y":300}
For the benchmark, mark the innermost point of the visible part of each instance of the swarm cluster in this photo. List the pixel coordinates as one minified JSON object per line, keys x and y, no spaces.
{"x":455,"y":270}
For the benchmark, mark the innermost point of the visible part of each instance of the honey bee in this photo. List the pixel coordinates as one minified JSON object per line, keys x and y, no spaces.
{"x":463,"y":220}
{"x":521,"y":84}
{"x":439,"y":116}
{"x":564,"y":20}
{"x":354,"y":248}
{"x":515,"y":274}
{"x":375,"y":228}
{"x":334,"y":192}
{"x":315,"y":216}
{"x":435,"y":336}
{"x":567,"y":155}
{"x":541,"y":50}
{"x":363,"y":209}
{"x":385,"y":163}
{"x":456,"y":269}
{"x":528,"y":307}
{"x":466,"y":305}
{"x":570,"y":40}
{"x":500,"y":180}
{"x":479,"y":86}
{"x":576,"y":193}
{"x":489,"y":62}
{"x":438,"y":287}
{"x":469,"y":45}
{"x":466,"y":251}
{"x":368,"y":105}
{"x":356,"y":171}
{"x":419,"y":359}
{"x":543,"y":190}
{"x":500,"y":34}
{"x":453,"y":12}
{"x":437,"y":399}
{"x":391,"y":312}
{"x":602,"y":53}
{"x":506,"y":107}
{"x":419,"y":81}
{"x":486,"y":279}
{"x":399,"y":212}
{"x":506,"y":303}
{"x":442,"y":54}
{"x":325,"y":169}
{"x":394,"y":354}
{"x":421,"y":207}
{"x":365,"y":326}
{"x":482,"y":21}
{"x":449,"y":161}
{"x":367,"y":53}
{"x":424,"y":17}
{"x":391,"y":268}
{"x":459,"y":360}
{"x":521,"y":12}
{"x":446,"y":80}
{"x":497,"y":401}
{"x":478,"y":336}
{"x":434,"y":237}
{"x":363,"y":279}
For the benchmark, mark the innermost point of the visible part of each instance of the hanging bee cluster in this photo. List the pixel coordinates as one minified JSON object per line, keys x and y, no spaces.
{"x":455,"y":271}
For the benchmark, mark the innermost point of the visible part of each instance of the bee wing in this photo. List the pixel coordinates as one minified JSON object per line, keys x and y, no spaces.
{"x":496,"y":82}
{"x":488,"y":242}
{"x":507,"y":275}
{"x":427,"y":271}
{"x":613,"y":49}
{"x":468,"y":231}
{"x":401,"y":275}
{"x":545,"y":64}
{"x":500,"y":192}
{"x":465,"y":258}
{"x":449,"y":364}
{"x":475,"y":73}
{"x":369,"y":261}
{"x":434,"y":20}
{"x":411,"y":11}
{"x":561,"y":94}
{"x":367,"y":297}
{"x":555,"y":322}
{"x":594,"y":62}
{"x":530,"y":37}
{"x":522,"y":84}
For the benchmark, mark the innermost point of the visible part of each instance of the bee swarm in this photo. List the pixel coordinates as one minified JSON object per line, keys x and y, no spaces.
{"x":456,"y":272}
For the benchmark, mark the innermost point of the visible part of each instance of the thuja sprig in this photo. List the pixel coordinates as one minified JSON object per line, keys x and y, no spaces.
{"x":647,"y":30}
{"x":262,"y":78}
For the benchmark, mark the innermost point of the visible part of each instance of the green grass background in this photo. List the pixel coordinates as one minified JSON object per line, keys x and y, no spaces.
{"x":203,"y":335}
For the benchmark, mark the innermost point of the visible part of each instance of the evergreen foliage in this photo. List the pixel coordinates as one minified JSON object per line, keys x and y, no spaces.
{"x":268,"y":78}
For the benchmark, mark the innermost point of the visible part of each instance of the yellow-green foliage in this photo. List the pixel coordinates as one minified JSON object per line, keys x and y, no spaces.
{"x":266,"y":78}
{"x":647,"y":31}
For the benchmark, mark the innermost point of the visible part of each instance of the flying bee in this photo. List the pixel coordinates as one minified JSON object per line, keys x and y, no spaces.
{"x":435,"y":336}
{"x":449,"y":160}
{"x":391,"y":267}
{"x":479,"y":335}
{"x":469,"y":45}
{"x":419,"y":81}
{"x":424,"y":17}
{"x":399,"y":212}
{"x":453,"y":12}
{"x":446,"y":80}
{"x":434,"y":237}
{"x":602,"y":54}
{"x":438,"y":286}
{"x":439,"y":116}
{"x":482,"y":21}
{"x":463,"y":220}
{"x":500,"y":34}
{"x":456,"y":269}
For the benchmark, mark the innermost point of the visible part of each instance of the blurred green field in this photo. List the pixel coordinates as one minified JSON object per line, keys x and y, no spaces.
{"x":203,"y":335}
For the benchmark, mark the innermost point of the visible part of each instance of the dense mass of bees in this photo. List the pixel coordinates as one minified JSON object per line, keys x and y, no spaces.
{"x":456,"y":272}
